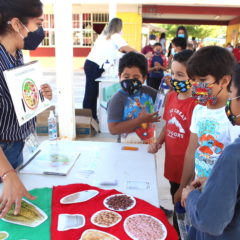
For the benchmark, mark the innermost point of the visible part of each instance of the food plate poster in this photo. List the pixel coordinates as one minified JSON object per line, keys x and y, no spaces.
{"x":24,"y":85}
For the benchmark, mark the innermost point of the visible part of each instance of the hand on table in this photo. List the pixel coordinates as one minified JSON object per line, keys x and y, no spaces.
{"x":13,"y":191}
{"x":154,"y":147}
{"x":47,"y":91}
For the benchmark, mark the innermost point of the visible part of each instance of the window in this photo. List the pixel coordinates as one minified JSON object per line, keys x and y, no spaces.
{"x":86,"y":28}
{"x":48,"y":25}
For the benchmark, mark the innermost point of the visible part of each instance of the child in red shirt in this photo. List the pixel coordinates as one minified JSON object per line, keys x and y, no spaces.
{"x":157,"y":65}
{"x":177,"y":114}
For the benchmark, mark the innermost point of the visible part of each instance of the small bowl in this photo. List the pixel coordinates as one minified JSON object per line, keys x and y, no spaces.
{"x":79,"y":197}
{"x":70,"y":221}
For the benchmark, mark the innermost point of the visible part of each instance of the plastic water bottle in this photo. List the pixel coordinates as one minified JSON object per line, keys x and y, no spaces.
{"x":107,"y":66}
{"x":159,"y":103}
{"x":52,"y":127}
{"x":183,"y":221}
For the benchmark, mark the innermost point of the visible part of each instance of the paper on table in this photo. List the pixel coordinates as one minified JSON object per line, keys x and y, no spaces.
{"x":56,"y":162}
{"x":87,"y":163}
{"x":138,"y":185}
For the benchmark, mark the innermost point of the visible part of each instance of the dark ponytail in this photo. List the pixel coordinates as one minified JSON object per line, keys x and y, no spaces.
{"x":21,"y":9}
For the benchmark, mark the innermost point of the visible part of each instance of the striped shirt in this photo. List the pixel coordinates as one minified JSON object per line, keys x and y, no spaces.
{"x":9,"y":126}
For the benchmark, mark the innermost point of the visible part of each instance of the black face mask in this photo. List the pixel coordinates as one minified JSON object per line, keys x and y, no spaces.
{"x":33,"y":39}
{"x":131,"y":86}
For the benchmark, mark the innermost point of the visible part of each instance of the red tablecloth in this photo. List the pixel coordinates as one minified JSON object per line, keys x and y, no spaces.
{"x":88,"y":208}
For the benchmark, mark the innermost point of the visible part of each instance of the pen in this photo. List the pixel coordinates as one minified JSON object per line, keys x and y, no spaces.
{"x":24,"y":165}
{"x":54,"y":173}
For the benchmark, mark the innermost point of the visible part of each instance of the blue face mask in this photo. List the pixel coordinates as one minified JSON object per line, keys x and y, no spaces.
{"x":181,"y":35}
{"x":33,"y":39}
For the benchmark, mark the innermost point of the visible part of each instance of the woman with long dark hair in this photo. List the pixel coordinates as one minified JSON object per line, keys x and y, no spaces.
{"x":20,"y":28}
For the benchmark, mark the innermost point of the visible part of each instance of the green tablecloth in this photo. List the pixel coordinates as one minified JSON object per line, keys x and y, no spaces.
{"x":18,"y":232}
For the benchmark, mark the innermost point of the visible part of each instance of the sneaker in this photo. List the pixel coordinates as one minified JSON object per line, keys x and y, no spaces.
{"x":168,"y":213}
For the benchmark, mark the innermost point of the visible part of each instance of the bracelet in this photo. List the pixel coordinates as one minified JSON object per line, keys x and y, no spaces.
{"x":6,"y":173}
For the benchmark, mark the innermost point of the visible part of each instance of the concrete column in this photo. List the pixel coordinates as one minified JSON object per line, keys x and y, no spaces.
{"x":64,"y":68}
{"x":112,"y":10}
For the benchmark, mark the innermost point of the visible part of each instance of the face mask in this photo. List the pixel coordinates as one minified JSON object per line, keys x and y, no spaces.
{"x":180,"y":86}
{"x":232,"y":118}
{"x":33,"y":39}
{"x":131,"y":86}
{"x":202,"y":92}
{"x":181,"y":35}
{"x":152,"y":42}
{"x":173,"y":51}
{"x":158,"y":53}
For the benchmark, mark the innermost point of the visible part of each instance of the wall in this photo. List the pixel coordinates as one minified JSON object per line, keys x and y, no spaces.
{"x":233,"y":32}
{"x":132,"y":24}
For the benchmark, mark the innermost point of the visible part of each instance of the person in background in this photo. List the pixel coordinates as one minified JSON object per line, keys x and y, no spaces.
{"x":214,"y":208}
{"x":162,"y":41}
{"x":179,"y":44}
{"x":105,"y":49}
{"x":229,"y":47}
{"x":236,"y":52}
{"x":190,"y":46}
{"x":20,"y":28}
{"x":157,"y":65}
{"x":148,"y":49}
{"x":195,"y":44}
{"x":177,"y":114}
{"x":182,"y":33}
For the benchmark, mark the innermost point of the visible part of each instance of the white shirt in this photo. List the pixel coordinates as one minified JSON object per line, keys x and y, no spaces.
{"x":214,"y":134}
{"x":106,"y":49}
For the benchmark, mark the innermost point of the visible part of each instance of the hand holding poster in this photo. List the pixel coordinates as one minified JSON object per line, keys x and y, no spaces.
{"x":24,"y":84}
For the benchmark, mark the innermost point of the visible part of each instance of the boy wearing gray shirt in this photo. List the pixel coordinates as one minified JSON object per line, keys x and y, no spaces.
{"x":131,"y":109}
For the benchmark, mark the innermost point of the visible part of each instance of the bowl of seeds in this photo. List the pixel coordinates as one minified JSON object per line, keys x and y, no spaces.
{"x":105,"y":218}
{"x":119,"y":202}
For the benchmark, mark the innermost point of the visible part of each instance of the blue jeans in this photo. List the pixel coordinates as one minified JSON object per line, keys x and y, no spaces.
{"x":13,"y":152}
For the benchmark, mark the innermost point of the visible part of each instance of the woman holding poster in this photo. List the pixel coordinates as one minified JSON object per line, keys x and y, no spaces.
{"x":20,"y":28}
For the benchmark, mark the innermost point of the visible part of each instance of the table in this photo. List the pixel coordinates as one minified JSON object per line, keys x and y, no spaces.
{"x":108,"y":162}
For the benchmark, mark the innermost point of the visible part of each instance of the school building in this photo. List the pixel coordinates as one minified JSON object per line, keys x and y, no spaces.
{"x":88,"y":20}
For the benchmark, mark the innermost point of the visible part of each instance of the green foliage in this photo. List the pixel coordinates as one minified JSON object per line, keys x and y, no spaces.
{"x":198,"y":31}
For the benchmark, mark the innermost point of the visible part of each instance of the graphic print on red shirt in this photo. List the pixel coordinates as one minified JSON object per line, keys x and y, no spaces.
{"x":178,"y":115}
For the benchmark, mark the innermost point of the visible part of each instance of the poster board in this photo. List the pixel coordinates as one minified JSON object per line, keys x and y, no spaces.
{"x":24,"y":85}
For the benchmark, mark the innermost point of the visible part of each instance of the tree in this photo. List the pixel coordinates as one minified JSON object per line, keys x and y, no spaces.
{"x":198,"y":31}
